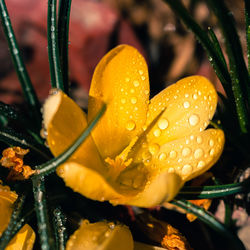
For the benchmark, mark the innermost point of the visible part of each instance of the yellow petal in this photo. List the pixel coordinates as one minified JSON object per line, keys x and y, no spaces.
{"x":189,"y":105}
{"x":192,"y":155}
{"x":121,"y":81}
{"x":64,"y":122}
{"x":23,"y":240}
{"x":162,"y":188}
{"x":101,"y":236}
{"x":7,"y":199}
{"x":90,"y":183}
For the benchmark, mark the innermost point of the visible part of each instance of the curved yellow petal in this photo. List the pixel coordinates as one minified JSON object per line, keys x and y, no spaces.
{"x":7,"y":199}
{"x":64,"y":121}
{"x":189,"y":105}
{"x":101,"y":236}
{"x":163,"y":187}
{"x":90,"y":183}
{"x":121,"y":81}
{"x":24,"y":239}
{"x":192,"y":155}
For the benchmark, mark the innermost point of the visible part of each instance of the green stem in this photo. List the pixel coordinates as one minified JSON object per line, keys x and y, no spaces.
{"x":247,"y":16}
{"x":238,"y":70}
{"x":43,"y":223}
{"x":63,"y":37}
{"x":50,"y":166}
{"x":53,"y":52}
{"x":211,"y":221}
{"x":10,"y":231}
{"x":28,"y":90}
{"x":60,"y":229}
{"x":209,"y":192}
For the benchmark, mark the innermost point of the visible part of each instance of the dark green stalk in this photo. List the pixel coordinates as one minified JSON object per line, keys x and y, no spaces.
{"x":63,"y":38}
{"x":50,"y":166}
{"x":217,"y":47}
{"x":212,"y":222}
{"x":205,"y":41}
{"x":10,"y":231}
{"x":28,"y":90}
{"x":43,"y":223}
{"x":60,"y":229}
{"x":247,"y":16}
{"x":12,"y":138}
{"x":209,"y":192}
{"x":53,"y":52}
{"x":238,"y":70}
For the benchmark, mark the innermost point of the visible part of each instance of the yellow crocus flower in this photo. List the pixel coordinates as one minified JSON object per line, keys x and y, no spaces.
{"x":25,"y":237}
{"x":141,"y":151}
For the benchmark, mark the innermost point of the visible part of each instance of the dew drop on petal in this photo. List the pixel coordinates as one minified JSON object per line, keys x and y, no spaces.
{"x":199,"y":139}
{"x":133,"y":100}
{"x":163,"y":123}
{"x":127,"y":79}
{"x":186,"y":151}
{"x":198,"y":153}
{"x":154,"y":148}
{"x":143,"y":78}
{"x":186,"y":95}
{"x":186,"y":105}
{"x":201,"y":164}
{"x":140,"y":72}
{"x":130,"y":125}
{"x":146,"y":92}
{"x":211,"y":152}
{"x":195,"y":96}
{"x":193,"y":120}
{"x":211,"y":142}
{"x":162,"y":156}
{"x":123,"y":100}
{"x":171,"y":170}
{"x":157,"y":132}
{"x":172,"y":154}
{"x":136,"y":83}
{"x":187,"y":169}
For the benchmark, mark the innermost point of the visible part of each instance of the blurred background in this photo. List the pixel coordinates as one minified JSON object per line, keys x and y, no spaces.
{"x":170,"y":49}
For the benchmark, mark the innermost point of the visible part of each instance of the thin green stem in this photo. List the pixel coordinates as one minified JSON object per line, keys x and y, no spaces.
{"x":28,"y":90}
{"x":50,"y":166}
{"x":60,"y":229}
{"x":63,"y":37}
{"x":209,"y":192}
{"x":238,"y":70}
{"x":43,"y":222}
{"x":212,"y":222}
{"x":10,"y":231}
{"x":247,"y":16}
{"x":53,"y":52}
{"x":205,"y":41}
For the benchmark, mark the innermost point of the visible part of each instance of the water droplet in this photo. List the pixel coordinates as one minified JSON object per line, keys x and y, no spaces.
{"x":187,"y":141}
{"x":140,"y":72}
{"x":133,"y":100}
{"x":122,"y":89}
{"x":136,"y":83}
{"x":186,"y":151}
{"x":123,"y":100}
{"x":187,"y":169}
{"x":198,"y":153}
{"x":157,"y":132}
{"x":210,"y":98}
{"x":162,"y":156}
{"x":154,"y":148}
{"x":199,"y":139}
{"x":143,"y":78}
{"x":211,"y":142}
{"x":186,"y":95}
{"x":146,"y":92}
{"x":172,"y":154}
{"x":191,"y":137}
{"x":194,"y":120}
{"x":195,"y":96}
{"x":186,"y":105}
{"x":111,"y":225}
{"x":130,"y":125}
{"x":163,"y":123}
{"x":127,"y":79}
{"x":201,"y":164}
{"x":171,"y":170}
{"x":212,"y":151}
